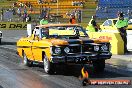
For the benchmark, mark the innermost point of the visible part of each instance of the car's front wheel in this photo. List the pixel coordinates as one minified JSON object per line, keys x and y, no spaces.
{"x":48,"y":66}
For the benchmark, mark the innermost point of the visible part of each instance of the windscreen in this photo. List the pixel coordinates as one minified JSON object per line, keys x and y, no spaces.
{"x":63,"y":31}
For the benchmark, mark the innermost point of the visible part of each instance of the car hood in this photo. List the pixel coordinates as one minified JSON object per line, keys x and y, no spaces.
{"x":75,"y":41}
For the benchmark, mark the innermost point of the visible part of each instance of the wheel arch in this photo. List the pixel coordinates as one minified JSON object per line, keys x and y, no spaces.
{"x":43,"y":53}
{"x":22,"y":52}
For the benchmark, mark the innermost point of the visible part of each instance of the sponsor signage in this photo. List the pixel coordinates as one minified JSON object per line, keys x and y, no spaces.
{"x":13,"y":25}
{"x":106,"y":37}
{"x":110,"y":82}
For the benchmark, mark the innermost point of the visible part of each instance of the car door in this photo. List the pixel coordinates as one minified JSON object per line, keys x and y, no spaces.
{"x":36,"y":49}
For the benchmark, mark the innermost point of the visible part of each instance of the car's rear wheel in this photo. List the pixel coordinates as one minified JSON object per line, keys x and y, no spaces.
{"x":26,"y":62}
{"x":99,"y":65}
{"x":48,"y":66}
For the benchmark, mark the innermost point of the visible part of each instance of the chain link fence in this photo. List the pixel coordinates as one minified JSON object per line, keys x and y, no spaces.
{"x":63,"y":15}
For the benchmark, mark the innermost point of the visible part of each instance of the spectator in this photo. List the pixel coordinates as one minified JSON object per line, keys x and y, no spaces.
{"x":44,"y":11}
{"x":26,"y":4}
{"x":79,"y":16}
{"x":44,"y":20}
{"x":31,"y":8}
{"x":14,"y":4}
{"x":21,"y":5}
{"x":73,"y":19}
{"x":24,"y":17}
{"x":40,"y":1}
{"x":19,"y":12}
{"x":25,"y":10}
{"x":14,"y":11}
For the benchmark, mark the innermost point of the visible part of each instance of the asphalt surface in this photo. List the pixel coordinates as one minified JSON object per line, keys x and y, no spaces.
{"x":14,"y":75}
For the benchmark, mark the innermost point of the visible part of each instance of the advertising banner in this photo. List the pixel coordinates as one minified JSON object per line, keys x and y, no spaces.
{"x":13,"y":25}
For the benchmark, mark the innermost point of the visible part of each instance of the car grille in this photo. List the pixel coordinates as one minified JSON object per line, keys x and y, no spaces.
{"x":87,"y":48}
{"x":75,"y":49}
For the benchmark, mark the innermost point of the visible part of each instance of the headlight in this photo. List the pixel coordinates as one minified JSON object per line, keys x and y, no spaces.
{"x":57,"y":50}
{"x":96,"y":48}
{"x":104,"y":48}
{"x":67,"y":50}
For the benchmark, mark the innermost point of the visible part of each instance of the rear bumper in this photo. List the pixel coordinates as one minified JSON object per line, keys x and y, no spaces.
{"x":81,"y":58}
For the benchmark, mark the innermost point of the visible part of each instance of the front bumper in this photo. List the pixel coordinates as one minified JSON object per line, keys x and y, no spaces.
{"x":80,"y":58}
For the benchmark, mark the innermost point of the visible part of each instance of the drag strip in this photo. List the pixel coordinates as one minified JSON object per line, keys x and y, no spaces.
{"x":14,"y":75}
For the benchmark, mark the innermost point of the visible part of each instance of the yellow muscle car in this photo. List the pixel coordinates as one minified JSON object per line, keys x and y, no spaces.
{"x":110,"y":25}
{"x":50,"y":45}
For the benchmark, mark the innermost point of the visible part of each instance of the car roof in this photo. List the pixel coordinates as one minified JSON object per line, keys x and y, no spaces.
{"x":113,"y":19}
{"x":50,"y":25}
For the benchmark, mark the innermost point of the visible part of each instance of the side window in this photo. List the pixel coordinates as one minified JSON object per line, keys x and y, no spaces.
{"x":45,"y":32}
{"x":107,"y":23}
{"x":61,"y":28}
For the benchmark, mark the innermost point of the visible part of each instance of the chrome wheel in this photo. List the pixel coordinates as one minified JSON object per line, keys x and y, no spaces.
{"x":25,"y":60}
{"x":48,"y":66}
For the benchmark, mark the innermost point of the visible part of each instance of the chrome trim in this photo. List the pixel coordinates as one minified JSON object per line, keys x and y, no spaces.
{"x":57,"y":46}
{"x":83,"y":55}
{"x":105,"y":54}
{"x":94,"y":44}
{"x":74,"y":45}
{"x":73,"y":53}
{"x":88,"y":52}
{"x":57,"y":57}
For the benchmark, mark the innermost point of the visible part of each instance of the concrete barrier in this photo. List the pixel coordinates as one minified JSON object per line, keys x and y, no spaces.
{"x":117,"y":44}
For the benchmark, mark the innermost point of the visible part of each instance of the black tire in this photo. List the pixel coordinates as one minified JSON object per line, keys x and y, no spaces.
{"x":26,"y":62}
{"x":48,"y":66}
{"x":99,"y":66}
